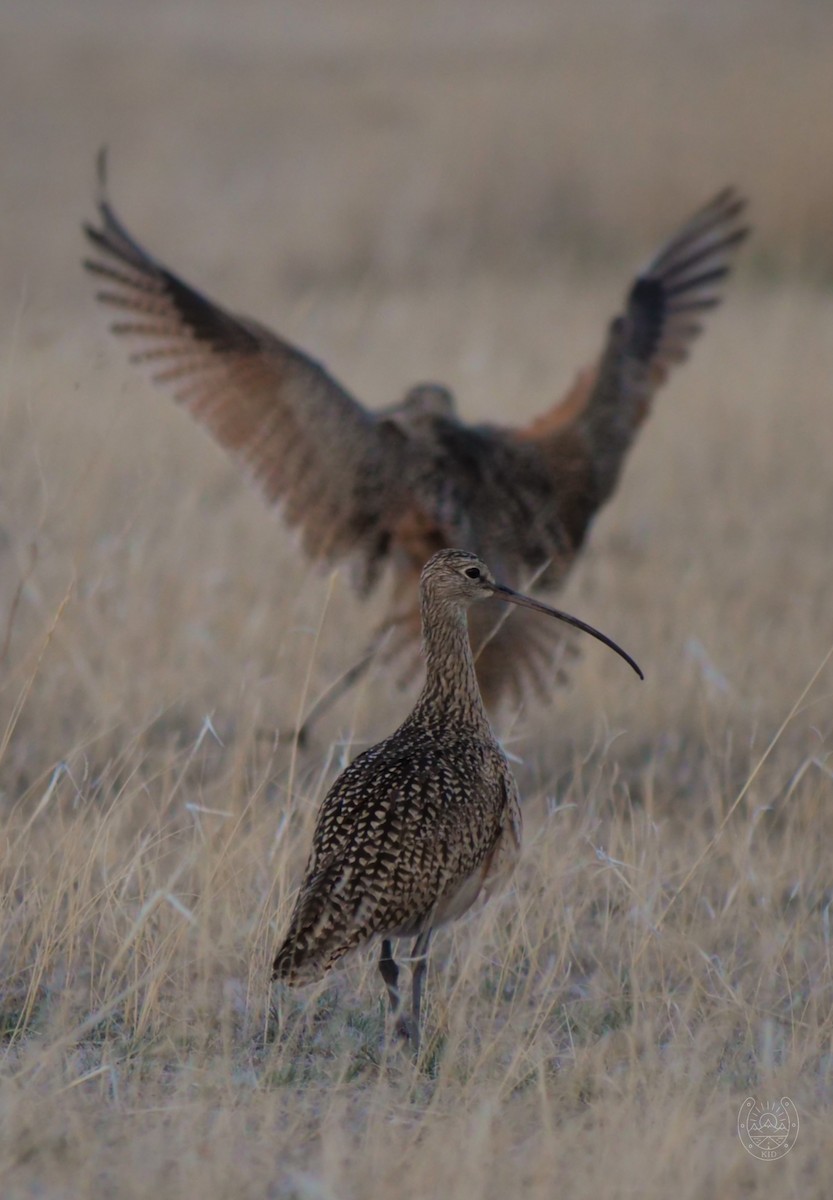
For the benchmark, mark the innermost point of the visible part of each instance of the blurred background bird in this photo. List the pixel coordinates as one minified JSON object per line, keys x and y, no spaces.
{"x":387,"y":488}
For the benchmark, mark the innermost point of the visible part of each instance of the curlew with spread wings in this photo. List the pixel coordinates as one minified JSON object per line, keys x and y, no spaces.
{"x":387,"y":489}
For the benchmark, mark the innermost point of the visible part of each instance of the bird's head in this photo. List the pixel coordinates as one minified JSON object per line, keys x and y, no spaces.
{"x":460,"y":577}
{"x":420,"y":407}
{"x":429,"y":400}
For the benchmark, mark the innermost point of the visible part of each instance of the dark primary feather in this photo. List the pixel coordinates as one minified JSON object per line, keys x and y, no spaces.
{"x":391,"y":488}
{"x":585,"y":439}
{"x":309,"y":445}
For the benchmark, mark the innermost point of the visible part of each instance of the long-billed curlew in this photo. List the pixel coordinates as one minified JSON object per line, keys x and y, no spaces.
{"x":417,"y":827}
{"x":393,"y":486}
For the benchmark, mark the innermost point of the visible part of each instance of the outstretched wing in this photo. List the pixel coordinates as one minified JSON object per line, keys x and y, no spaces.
{"x":308,"y":444}
{"x":529,"y":495}
{"x":586,"y":436}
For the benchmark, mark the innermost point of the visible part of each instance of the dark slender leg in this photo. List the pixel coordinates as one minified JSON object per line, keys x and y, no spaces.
{"x":419,"y":955}
{"x":407,"y":1025}
{"x":390,"y":973}
{"x":333,"y":694}
{"x":384,"y":639}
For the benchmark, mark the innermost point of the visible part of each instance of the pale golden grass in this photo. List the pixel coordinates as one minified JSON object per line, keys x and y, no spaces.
{"x":665,"y":950}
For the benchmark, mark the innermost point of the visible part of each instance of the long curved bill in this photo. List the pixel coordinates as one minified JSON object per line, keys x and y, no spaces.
{"x":507,"y":593}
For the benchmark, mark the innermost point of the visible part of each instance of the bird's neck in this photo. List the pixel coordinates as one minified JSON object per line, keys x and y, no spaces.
{"x":451,"y":692}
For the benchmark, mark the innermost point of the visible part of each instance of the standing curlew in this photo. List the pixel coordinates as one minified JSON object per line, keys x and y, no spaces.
{"x":417,"y":827}
{"x":393,"y":486}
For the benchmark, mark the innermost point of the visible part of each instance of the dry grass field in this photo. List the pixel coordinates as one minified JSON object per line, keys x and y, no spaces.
{"x":453,"y":191}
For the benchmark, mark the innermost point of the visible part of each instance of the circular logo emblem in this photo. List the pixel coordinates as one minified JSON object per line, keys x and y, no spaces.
{"x":768,"y":1131}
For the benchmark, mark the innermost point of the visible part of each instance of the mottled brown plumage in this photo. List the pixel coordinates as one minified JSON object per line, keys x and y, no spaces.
{"x":391,"y":487}
{"x":419,"y":826}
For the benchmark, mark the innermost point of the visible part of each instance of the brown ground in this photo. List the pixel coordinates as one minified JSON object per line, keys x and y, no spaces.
{"x":454,"y":191}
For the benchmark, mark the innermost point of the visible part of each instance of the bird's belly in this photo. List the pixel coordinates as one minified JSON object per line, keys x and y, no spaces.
{"x":488,"y":879}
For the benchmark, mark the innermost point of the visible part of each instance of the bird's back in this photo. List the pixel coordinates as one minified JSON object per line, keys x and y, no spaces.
{"x":400,"y":834}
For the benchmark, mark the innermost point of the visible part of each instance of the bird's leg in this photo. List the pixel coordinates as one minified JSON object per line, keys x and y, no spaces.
{"x":390,"y":973}
{"x":420,"y":961}
{"x":408,"y":1025}
{"x":338,"y":688}
{"x":333,"y":694}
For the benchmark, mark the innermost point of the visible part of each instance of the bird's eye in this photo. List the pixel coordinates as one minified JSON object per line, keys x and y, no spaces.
{"x":473,"y":572}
